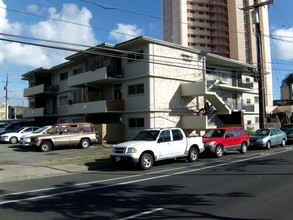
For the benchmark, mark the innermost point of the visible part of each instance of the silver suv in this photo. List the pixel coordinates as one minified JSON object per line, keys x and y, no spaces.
{"x":66,"y":134}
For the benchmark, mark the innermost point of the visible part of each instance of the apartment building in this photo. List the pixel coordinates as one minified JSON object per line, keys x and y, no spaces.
{"x":221,"y":27}
{"x":3,"y":111}
{"x":144,"y":83}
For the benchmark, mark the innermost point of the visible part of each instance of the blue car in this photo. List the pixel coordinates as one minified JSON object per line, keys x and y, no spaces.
{"x":267,"y":137}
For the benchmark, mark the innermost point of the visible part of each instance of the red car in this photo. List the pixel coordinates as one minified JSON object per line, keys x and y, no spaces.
{"x":221,"y":140}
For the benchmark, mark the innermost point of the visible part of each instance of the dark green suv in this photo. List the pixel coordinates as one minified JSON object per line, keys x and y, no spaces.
{"x":288,"y":129}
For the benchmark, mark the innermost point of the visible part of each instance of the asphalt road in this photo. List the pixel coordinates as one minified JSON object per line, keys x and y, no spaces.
{"x":256,"y":185}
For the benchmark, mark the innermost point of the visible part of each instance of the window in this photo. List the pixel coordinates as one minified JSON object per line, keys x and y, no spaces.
{"x":243,"y":131}
{"x":77,"y":71}
{"x":135,"y":56}
{"x":63,"y":100}
{"x":87,"y":128}
{"x":165,"y":136}
{"x":256,"y":119}
{"x":229,"y":133}
{"x":177,"y":135}
{"x":256,"y":99}
{"x":136,"y":122}
{"x":136,"y":89}
{"x":237,"y":133}
{"x":248,"y":101}
{"x":63,"y":76}
{"x":74,"y":128}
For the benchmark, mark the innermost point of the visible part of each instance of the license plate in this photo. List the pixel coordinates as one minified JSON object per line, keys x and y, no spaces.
{"x":117,"y":159}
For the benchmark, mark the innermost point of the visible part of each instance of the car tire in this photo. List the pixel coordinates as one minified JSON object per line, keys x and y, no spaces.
{"x":283,"y":143}
{"x":146,"y":161}
{"x":192,"y":154}
{"x":268,"y":145}
{"x":219,"y":151}
{"x":45,"y":146}
{"x":13,"y":140}
{"x":243,"y":149}
{"x":85,"y":143}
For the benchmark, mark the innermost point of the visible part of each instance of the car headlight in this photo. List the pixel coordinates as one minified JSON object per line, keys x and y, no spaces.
{"x":132,"y":150}
{"x":210,"y":144}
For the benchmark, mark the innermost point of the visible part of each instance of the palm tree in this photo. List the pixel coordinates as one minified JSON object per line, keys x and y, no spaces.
{"x":288,"y":82}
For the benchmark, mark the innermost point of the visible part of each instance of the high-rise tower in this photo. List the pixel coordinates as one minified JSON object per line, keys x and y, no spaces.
{"x":220,"y":27}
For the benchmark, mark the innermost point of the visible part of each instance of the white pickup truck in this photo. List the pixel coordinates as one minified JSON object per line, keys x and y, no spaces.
{"x":152,"y":145}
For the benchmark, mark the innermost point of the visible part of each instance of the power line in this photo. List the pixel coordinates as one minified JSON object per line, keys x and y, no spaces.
{"x":66,"y":21}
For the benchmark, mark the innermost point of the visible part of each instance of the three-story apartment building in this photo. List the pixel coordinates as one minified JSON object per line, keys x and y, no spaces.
{"x":144,"y":83}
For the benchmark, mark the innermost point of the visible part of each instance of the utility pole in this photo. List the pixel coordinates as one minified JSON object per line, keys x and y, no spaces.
{"x":260,"y":68}
{"x":6,"y":96}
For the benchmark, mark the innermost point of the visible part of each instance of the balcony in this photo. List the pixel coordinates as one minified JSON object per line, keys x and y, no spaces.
{"x":250,"y":108}
{"x":96,"y":107}
{"x":100,"y":75}
{"x":198,"y":122}
{"x":40,"y":112}
{"x":40,"y":89}
{"x":34,"y":112}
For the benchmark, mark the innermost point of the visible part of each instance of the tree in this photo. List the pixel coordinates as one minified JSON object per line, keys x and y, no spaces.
{"x":288,"y":82}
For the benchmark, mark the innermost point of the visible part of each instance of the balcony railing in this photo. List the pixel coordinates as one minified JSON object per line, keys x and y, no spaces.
{"x":34,"y":112}
{"x":40,"y":89}
{"x":199,"y":122}
{"x":101,"y":106}
{"x":103,"y":74}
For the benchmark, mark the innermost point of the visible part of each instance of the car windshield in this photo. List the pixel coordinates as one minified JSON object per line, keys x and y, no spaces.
{"x":262,"y":132}
{"x":214,"y":133}
{"x":54,"y":129}
{"x":18,"y":130}
{"x":287,"y":128}
{"x":146,"y":136}
{"x":40,"y":129}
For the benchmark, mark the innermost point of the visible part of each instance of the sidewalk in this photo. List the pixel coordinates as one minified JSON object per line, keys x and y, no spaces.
{"x":22,"y":172}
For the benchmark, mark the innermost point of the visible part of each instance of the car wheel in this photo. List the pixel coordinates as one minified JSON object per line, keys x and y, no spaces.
{"x":219,"y":151}
{"x":283,"y":143}
{"x":268,"y":145}
{"x":243,"y":149}
{"x":192,"y":154}
{"x":146,"y":161}
{"x":13,"y":140}
{"x":45,"y":146}
{"x":85,"y":143}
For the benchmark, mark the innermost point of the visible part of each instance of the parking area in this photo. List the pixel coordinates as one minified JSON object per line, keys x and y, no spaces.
{"x":19,"y":162}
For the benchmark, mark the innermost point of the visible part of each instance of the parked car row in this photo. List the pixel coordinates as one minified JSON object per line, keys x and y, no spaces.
{"x":14,"y":137}
{"x":153,"y":145}
{"x":48,"y":137}
{"x":150,"y":145}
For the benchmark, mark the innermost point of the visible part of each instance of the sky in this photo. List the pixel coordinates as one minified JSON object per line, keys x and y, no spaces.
{"x":90,"y":22}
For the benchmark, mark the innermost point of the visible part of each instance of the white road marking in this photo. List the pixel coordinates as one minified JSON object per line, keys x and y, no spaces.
{"x":142,"y":214}
{"x":127,"y":182}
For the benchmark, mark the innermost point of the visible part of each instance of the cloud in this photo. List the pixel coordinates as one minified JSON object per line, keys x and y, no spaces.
{"x":33,"y":8}
{"x":283,"y":43}
{"x":49,"y":29}
{"x":25,"y":55}
{"x":125,"y":32}
{"x":66,"y":31}
{"x":5,"y":25}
